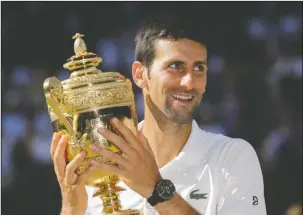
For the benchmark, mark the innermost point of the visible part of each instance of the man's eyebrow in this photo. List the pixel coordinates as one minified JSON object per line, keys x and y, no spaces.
{"x":175,"y":61}
{"x":170,"y":61}
{"x":204,"y":62}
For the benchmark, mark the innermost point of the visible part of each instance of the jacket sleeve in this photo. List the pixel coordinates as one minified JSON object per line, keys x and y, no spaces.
{"x":242,"y":188}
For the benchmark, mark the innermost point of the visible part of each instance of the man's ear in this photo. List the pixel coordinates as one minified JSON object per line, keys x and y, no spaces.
{"x":139,"y":74}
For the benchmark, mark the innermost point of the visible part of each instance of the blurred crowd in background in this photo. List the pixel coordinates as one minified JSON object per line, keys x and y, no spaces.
{"x":254,"y":85}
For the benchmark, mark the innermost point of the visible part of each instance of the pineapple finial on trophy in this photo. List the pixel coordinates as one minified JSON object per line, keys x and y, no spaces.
{"x":79,"y":45}
{"x":83,"y":61}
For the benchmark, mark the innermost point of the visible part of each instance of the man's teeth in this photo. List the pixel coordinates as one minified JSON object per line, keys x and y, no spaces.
{"x":184,"y":98}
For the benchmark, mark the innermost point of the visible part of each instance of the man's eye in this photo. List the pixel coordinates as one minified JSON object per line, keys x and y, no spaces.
{"x":176,"y":66}
{"x":199,"y":68}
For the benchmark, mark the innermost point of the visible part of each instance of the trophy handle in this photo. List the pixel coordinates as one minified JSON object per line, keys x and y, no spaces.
{"x":53,"y":92}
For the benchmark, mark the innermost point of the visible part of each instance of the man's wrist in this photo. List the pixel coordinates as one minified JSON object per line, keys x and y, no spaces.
{"x":169,"y":203}
{"x":148,"y":192}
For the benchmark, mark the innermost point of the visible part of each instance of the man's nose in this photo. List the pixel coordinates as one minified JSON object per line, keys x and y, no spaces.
{"x":188,"y":81}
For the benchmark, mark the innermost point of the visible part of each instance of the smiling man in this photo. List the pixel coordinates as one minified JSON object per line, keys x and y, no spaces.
{"x":172,"y":167}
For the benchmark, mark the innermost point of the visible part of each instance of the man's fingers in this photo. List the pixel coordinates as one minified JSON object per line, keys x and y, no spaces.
{"x":59,"y":157}
{"x":108,"y":167}
{"x":116,"y":140}
{"x":54,"y":144}
{"x":127,"y":134}
{"x":112,"y":156}
{"x":72,"y":166}
{"x":82,"y":178}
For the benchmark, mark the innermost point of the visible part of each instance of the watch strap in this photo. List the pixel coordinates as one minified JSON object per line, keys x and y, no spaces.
{"x":154,"y":199}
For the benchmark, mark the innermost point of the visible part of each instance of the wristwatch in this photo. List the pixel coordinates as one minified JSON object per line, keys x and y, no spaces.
{"x":164,"y":190}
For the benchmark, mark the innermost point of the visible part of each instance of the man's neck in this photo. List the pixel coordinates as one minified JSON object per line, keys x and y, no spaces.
{"x":165,"y":138}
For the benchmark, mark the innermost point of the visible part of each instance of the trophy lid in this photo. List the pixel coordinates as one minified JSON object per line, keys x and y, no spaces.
{"x":89,"y":88}
{"x":85,"y":63}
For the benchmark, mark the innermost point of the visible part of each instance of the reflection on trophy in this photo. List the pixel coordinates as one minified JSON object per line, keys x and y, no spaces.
{"x":80,"y":105}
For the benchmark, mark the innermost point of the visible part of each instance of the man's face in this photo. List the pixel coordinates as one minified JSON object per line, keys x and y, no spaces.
{"x":177,"y":78}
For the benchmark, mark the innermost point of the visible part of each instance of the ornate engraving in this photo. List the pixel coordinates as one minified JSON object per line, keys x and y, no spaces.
{"x":81,"y":99}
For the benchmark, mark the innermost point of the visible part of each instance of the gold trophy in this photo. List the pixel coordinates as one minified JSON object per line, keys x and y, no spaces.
{"x":80,"y":105}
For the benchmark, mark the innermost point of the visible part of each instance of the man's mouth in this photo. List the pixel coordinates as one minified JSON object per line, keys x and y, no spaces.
{"x":183,"y":98}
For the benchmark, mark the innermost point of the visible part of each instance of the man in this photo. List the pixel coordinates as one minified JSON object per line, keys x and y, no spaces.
{"x":205,"y":173}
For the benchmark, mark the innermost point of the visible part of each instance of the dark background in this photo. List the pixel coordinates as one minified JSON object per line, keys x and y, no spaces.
{"x":254,"y":84}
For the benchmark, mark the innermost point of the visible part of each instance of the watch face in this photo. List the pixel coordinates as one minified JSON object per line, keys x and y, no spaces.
{"x":166,"y":189}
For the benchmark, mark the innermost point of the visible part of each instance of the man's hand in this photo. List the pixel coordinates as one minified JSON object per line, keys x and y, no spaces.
{"x":74,"y":196}
{"x":136,"y":166}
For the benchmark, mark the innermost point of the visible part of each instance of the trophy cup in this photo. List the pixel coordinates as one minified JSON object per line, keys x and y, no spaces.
{"x":81,"y":104}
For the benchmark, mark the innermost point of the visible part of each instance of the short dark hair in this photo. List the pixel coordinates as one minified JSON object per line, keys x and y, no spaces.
{"x":152,"y":30}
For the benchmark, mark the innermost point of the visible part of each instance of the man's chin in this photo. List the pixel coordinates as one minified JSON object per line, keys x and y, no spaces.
{"x":182,"y":120}
{"x":179,"y":118}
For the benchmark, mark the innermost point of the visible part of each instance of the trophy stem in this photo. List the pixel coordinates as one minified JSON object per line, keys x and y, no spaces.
{"x":111,"y":202}
{"x":109,"y":193}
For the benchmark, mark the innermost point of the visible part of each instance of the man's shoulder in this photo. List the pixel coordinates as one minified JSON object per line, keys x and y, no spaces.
{"x":223,"y":147}
{"x":222,"y":141}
